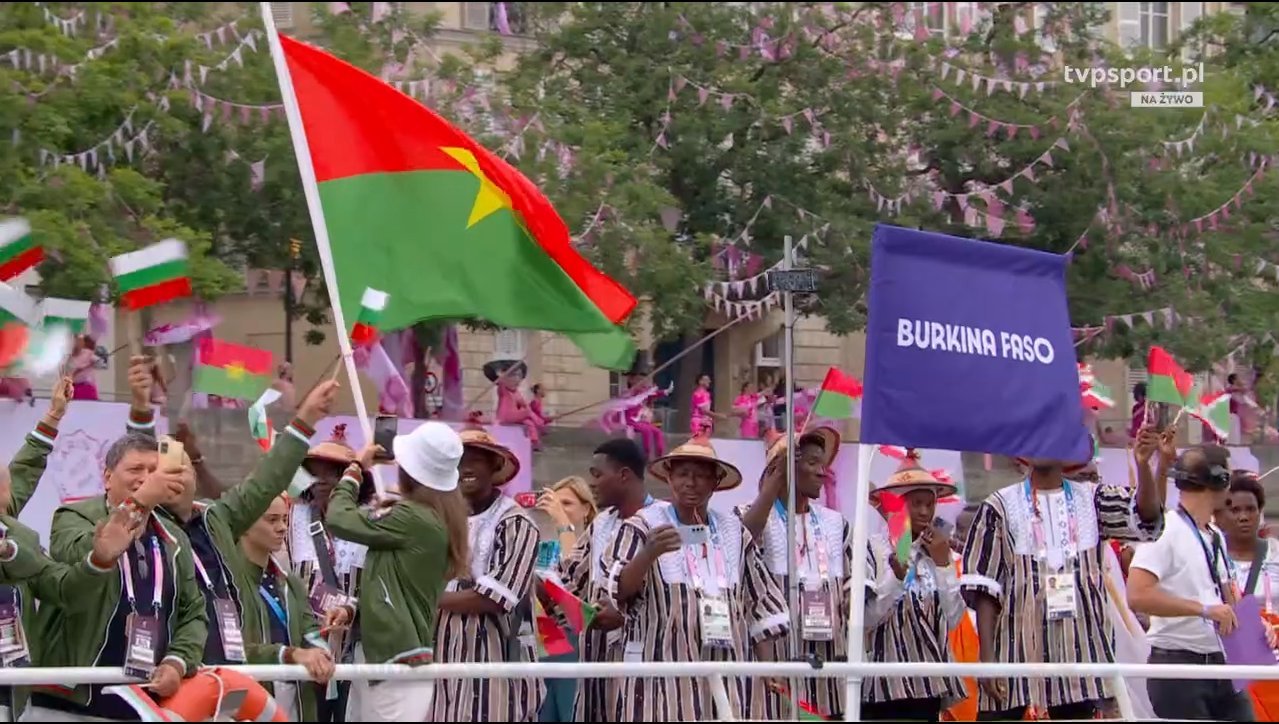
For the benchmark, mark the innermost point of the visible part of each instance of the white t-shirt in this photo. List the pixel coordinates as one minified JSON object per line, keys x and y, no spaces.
{"x":1178,"y":560}
{"x":1268,"y":583}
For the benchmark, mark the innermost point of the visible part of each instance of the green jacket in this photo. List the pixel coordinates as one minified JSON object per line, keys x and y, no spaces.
{"x":76,"y":638}
{"x":36,"y":576}
{"x":403,"y":573}
{"x":304,"y":629}
{"x":229,"y":517}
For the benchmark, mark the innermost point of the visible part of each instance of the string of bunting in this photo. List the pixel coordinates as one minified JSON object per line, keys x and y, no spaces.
{"x":738,"y":287}
{"x":1167,"y":314}
{"x":1010,"y":128}
{"x":755,"y":309}
{"x":103,"y":153}
{"x":726,"y":101}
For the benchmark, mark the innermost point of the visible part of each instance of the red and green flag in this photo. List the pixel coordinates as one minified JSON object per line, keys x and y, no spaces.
{"x":231,"y":370}
{"x":416,"y":208}
{"x":1168,"y":381}
{"x":837,"y":396}
{"x":372,"y":304}
{"x":154,"y":275}
{"x":18,"y":250}
{"x":551,"y":639}
{"x":579,"y":613}
{"x":899,"y":533}
{"x":1214,"y":411}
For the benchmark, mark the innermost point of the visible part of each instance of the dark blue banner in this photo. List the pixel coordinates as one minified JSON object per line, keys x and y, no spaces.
{"x":968,"y":347}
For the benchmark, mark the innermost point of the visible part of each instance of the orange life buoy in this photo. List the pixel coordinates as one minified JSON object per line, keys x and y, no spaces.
{"x":207,"y":696}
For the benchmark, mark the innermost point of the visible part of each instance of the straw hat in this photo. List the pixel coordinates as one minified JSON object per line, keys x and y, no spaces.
{"x":335,"y":449}
{"x":699,"y":448}
{"x":911,"y":476}
{"x":826,"y":437}
{"x":509,"y":465}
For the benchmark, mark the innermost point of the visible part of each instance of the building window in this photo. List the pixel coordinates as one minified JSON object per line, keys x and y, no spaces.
{"x":1190,"y":14}
{"x":282,"y":14}
{"x":508,"y":344}
{"x":516,"y":15}
{"x":1041,"y":12}
{"x":969,"y":15}
{"x":934,"y":19}
{"x":768,"y":351}
{"x":1143,"y":25}
{"x":475,"y":16}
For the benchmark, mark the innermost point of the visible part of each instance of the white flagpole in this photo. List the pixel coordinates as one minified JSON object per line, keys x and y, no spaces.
{"x":312,"y":190}
{"x":857,"y":583}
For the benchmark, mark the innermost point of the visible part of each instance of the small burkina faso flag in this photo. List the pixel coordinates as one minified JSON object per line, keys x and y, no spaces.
{"x":1214,"y":411}
{"x":69,"y":313}
{"x":1168,"y":381}
{"x":18,"y":250}
{"x":414,"y":207}
{"x":372,"y":304}
{"x":154,"y":275}
{"x":579,"y":613}
{"x":231,"y":370}
{"x":836,"y":397}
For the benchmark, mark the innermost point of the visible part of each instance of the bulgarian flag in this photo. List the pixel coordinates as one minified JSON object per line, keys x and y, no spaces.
{"x":17,"y":307}
{"x":410,"y":205}
{"x":1168,"y":381}
{"x":372,"y":304}
{"x":837,"y":394}
{"x":259,"y":422}
{"x":18,"y":250}
{"x":154,"y":275}
{"x":1214,"y":411}
{"x":231,"y":370}
{"x":69,"y":313}
{"x":578,"y":612}
{"x":1096,"y":396}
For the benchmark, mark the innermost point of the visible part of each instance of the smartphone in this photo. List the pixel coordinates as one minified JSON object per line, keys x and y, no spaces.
{"x":385,"y":428}
{"x":943,"y":526}
{"x":526,"y":500}
{"x":171,"y":453}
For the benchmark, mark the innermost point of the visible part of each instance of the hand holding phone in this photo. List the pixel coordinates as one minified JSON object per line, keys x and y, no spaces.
{"x":385,"y":428}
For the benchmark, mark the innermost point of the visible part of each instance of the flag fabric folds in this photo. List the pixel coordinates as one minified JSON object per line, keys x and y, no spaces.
{"x":18,"y":250}
{"x":154,"y":275}
{"x":838,"y":395}
{"x":414,"y":207}
{"x":1168,"y":381}
{"x":231,"y":370}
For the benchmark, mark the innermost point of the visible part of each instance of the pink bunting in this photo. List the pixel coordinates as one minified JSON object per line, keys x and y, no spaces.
{"x":1029,"y":173}
{"x":966,"y":22}
{"x":1007,"y":186}
{"x":954,"y":108}
{"x":726,"y":100}
{"x":1046,"y":158}
{"x":661,"y":139}
{"x":680,"y":82}
{"x":1062,"y":144}
{"x":994,"y":225}
{"x":702,"y":95}
{"x":1021,"y":61}
{"x":339,"y":8}
{"x":380,"y":11}
{"x":244,"y":115}
{"x":973,"y":119}
{"x":808,"y":114}
{"x":787,"y":124}
{"x":938,"y":94}
{"x":939,"y":198}
{"x":1012,"y":132}
{"x":992,"y":128}
{"x":994,"y":207}
{"x":744,"y":52}
{"x":921,"y":30}
{"x":721,"y":48}
{"x":1025,"y":222}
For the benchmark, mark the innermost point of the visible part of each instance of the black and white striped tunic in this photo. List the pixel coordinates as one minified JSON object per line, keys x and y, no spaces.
{"x":583,"y":574}
{"x":1000,"y":560}
{"x":663,"y":623}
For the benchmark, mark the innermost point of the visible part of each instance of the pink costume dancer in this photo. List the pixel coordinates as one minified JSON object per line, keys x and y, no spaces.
{"x":702,"y":422}
{"x":747,"y":407}
{"x":639,"y":418}
{"x":83,"y":374}
{"x":512,"y":409}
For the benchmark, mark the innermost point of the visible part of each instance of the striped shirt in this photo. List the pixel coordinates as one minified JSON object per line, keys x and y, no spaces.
{"x":826,"y":694}
{"x":911,"y":623}
{"x":1001,"y":560}
{"x":663,"y":620}
{"x":503,"y":543}
{"x":585,"y":578}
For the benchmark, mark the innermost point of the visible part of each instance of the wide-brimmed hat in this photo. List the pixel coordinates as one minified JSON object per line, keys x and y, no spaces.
{"x":334,"y":450}
{"x":494,"y":369}
{"x":826,"y":437}
{"x":430,"y":455}
{"x":699,"y":448}
{"x":509,"y":465}
{"x":912,"y":476}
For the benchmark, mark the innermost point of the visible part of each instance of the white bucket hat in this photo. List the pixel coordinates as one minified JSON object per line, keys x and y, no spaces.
{"x":430,"y":455}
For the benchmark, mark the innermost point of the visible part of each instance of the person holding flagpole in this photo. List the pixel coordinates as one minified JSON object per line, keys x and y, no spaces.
{"x":693,"y":586}
{"x":915,"y":611}
{"x":1034,"y":572}
{"x":415,"y":545}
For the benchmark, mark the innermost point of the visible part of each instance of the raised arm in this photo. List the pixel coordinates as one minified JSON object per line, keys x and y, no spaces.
{"x":28,"y":466}
{"x":755,"y":518}
{"x":388,"y":529}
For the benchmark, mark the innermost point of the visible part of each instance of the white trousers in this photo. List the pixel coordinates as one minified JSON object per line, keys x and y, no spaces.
{"x":389,"y":701}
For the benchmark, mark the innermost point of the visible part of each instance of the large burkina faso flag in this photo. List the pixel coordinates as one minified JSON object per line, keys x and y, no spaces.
{"x":419,"y":210}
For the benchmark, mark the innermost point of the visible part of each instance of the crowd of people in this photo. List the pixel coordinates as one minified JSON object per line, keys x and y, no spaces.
{"x":305,"y":563}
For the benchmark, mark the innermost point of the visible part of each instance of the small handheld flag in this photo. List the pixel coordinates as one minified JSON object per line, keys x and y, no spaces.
{"x":69,"y":313}
{"x":372,"y":304}
{"x":47,"y":348}
{"x":1168,"y":381}
{"x":1214,"y":411}
{"x":17,"y":306}
{"x":18,"y":251}
{"x":838,"y":392}
{"x":551,"y":640}
{"x":578,"y":612}
{"x":899,"y":533}
{"x":259,"y":423}
{"x":231,"y":370}
{"x":153,"y":275}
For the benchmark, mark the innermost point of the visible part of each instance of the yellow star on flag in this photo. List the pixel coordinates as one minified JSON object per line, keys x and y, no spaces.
{"x":236,"y":370}
{"x":490,"y":198}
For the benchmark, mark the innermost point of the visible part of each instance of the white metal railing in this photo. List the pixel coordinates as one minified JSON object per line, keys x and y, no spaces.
{"x":72,"y":675}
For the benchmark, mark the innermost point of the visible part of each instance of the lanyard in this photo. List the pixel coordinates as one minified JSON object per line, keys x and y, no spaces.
{"x":274,"y":604}
{"x":1210,"y":557}
{"x":819,"y":541}
{"x":204,"y":575}
{"x":1037,"y":522}
{"x":157,"y":594}
{"x":718,"y":567}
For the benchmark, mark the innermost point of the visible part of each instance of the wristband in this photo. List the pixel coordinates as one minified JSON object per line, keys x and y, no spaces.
{"x":1204,"y":613}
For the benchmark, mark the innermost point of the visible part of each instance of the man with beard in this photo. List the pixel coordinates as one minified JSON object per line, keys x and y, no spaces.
{"x":824,"y":555}
{"x":486,"y":615}
{"x":617,"y":477}
{"x":1034,"y":572}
